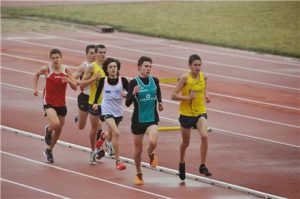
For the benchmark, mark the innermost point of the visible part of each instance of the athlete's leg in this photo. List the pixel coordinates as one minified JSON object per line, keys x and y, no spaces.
{"x":54,"y":125}
{"x":138,"y":150}
{"x":202,"y":128}
{"x":185,"y":135}
{"x":114,"y":131}
{"x":94,"y":120}
{"x":56,"y":133}
{"x":153,"y":138}
{"x":82,"y":117}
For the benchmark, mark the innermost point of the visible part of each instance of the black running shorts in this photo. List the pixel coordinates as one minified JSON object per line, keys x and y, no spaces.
{"x":60,"y":110}
{"x":188,"y":122}
{"x":141,"y":128}
{"x":82,"y":102}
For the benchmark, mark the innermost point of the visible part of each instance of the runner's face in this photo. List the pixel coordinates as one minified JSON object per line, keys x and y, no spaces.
{"x":145,"y":69}
{"x":91,"y":55}
{"x":56,"y":59}
{"x":196,"y":66}
{"x":112,"y":69}
{"x":101,"y":54}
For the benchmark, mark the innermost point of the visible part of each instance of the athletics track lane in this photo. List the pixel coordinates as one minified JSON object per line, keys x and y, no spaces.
{"x":247,"y":152}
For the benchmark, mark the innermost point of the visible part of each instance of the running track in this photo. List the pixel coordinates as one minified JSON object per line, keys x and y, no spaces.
{"x":254,"y":114}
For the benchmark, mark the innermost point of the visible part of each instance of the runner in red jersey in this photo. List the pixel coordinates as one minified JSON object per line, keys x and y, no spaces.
{"x":54,"y":98}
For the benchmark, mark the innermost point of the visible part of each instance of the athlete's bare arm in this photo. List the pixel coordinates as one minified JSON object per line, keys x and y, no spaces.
{"x":176,"y":93}
{"x":79,"y":72}
{"x":207,"y":98}
{"x":42,"y":71}
{"x":71,"y":80}
{"x":87,"y":78}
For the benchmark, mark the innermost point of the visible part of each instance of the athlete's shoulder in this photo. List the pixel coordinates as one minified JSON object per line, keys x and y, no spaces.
{"x":85,"y":64}
{"x":184,"y":76}
{"x":133,"y":81}
{"x":92,"y":65}
{"x":155,"y":79}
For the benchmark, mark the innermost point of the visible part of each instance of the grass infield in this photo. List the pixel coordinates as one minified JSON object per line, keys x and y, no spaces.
{"x":263,"y":26}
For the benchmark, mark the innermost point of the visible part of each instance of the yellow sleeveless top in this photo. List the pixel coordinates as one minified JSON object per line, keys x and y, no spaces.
{"x":93,"y":86}
{"x":196,"y":106}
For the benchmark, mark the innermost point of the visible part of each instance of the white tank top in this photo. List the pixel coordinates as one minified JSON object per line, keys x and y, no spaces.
{"x":112,"y":102}
{"x":86,"y":90}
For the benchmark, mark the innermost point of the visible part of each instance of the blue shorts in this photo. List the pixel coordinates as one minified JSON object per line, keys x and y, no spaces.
{"x":188,"y":122}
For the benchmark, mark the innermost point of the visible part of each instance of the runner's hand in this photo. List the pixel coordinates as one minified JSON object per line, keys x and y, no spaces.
{"x":95,"y":107}
{"x":136,"y":89}
{"x":35,"y":92}
{"x":207,"y":99}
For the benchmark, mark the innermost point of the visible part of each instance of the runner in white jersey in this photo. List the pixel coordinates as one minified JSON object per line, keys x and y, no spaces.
{"x":83,"y":97}
{"x":113,"y":89}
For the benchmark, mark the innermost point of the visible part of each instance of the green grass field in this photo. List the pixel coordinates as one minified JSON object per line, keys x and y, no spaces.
{"x":270,"y":27}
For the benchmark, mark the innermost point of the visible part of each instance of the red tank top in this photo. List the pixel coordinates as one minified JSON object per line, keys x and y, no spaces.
{"x":55,"y":89}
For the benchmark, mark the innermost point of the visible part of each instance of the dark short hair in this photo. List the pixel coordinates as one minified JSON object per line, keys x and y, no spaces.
{"x":55,"y":51}
{"x":109,"y":60}
{"x":143,"y":59}
{"x":87,"y":49}
{"x":99,"y":46}
{"x":193,"y":58}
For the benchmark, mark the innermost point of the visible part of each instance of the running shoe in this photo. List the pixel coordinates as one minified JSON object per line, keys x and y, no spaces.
{"x":100,"y":154}
{"x":93,"y":158}
{"x":109,"y":148}
{"x":138,"y":179}
{"x":204,"y":170}
{"x":120,"y":165}
{"x":100,"y":139}
{"x":153,"y":160}
{"x":48,"y":135}
{"x":99,"y":132}
{"x":181,"y":170}
{"x":49,"y":156}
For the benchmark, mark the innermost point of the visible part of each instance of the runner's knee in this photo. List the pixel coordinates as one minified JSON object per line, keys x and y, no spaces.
{"x":204,"y":138}
{"x":55,"y":126}
{"x":152,"y":144}
{"x":185,"y":144}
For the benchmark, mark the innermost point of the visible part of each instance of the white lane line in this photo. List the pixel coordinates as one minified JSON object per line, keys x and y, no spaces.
{"x":32,"y":38}
{"x":170,"y":67}
{"x":214,"y":52}
{"x":33,"y":188}
{"x":175,"y":121}
{"x":210,"y":109}
{"x":172,"y":86}
{"x":254,"y":101}
{"x":159,"y":168}
{"x":176,"y":57}
{"x":16,"y":70}
{"x":84,"y":175}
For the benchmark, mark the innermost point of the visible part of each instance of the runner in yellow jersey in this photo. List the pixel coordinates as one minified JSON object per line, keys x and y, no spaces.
{"x":90,"y":78}
{"x":191,"y":92}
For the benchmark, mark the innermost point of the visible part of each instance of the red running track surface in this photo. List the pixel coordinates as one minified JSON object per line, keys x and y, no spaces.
{"x":254,"y":111}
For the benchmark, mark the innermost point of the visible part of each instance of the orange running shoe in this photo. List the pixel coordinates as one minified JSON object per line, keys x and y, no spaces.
{"x":138,"y":180}
{"x":101,"y":139}
{"x":120,"y":165}
{"x":153,"y":160}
